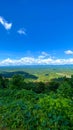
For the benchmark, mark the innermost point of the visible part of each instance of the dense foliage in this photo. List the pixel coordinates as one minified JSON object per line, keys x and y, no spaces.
{"x":36,"y":105}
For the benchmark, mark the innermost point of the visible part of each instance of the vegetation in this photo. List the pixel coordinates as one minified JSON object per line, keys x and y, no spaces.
{"x":36,"y":105}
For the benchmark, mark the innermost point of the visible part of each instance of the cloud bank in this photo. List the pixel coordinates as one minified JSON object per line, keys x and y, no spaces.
{"x":35,"y":61}
{"x":6,"y":25}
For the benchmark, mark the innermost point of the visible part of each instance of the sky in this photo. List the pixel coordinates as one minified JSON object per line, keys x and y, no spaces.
{"x":36,"y":32}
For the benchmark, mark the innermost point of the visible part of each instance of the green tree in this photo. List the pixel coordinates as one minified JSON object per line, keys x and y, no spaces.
{"x":4,"y":82}
{"x":53,"y":86}
{"x":65,"y":90}
{"x":39,"y":88}
{"x":17,"y":82}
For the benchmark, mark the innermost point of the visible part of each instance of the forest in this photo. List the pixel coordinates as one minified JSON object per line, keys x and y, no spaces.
{"x":29,"y":103}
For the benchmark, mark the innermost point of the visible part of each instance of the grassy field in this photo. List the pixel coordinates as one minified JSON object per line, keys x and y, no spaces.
{"x":43,"y":73}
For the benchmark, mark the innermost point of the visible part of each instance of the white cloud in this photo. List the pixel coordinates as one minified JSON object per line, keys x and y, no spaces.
{"x":21,"y":31}
{"x":43,"y":55}
{"x":68,"y":52}
{"x":6,"y":25}
{"x":35,"y":61}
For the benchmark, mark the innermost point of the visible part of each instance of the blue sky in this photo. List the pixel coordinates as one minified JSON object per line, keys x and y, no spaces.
{"x":36,"y":32}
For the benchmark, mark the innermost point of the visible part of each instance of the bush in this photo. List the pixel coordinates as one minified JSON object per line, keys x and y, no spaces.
{"x":55,"y":114}
{"x":26,"y":110}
